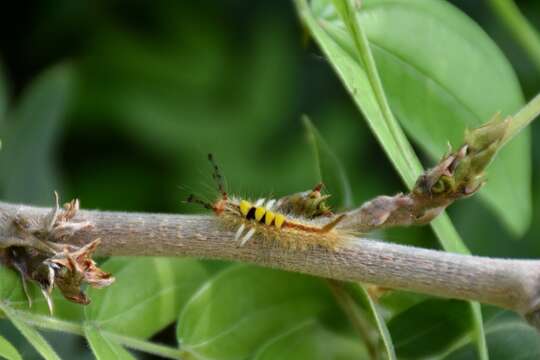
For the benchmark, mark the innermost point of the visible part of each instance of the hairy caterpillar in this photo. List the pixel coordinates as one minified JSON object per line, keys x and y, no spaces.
{"x":297,"y":221}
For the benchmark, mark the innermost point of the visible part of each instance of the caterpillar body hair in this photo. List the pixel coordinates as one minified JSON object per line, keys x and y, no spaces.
{"x":298,"y":221}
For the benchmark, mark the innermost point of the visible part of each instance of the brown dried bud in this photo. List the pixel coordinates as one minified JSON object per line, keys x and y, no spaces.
{"x":40,"y":258}
{"x":309,"y":204}
{"x":72,"y":269}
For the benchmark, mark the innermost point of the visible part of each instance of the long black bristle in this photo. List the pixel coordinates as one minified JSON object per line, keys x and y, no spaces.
{"x":217,"y":176}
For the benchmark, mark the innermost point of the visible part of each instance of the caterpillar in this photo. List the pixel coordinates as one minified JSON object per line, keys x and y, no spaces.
{"x":294,"y":221}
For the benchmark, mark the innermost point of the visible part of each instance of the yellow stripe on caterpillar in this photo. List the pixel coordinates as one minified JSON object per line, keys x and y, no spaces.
{"x":259,"y":213}
{"x":279,"y":220}
{"x":269,"y":217}
{"x":244,"y":207}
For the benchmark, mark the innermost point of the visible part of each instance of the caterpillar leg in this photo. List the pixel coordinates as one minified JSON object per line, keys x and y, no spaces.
{"x":248,"y":236}
{"x":239,"y":232}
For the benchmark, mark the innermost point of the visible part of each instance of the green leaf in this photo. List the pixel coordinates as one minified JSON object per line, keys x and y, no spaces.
{"x":329,"y":168}
{"x":358,"y":71}
{"x":443,"y":80}
{"x":235,"y":313}
{"x":518,"y":25}
{"x":396,"y":301}
{"x":104,"y":348}
{"x":147,"y":295}
{"x":358,"y":83}
{"x":331,"y":171}
{"x":12,"y":294}
{"x":429,"y":328}
{"x":8,"y":351}
{"x":310,"y":340}
{"x":506,"y":339}
{"x":26,"y":167}
{"x":32,"y":335}
{"x":362,"y":296}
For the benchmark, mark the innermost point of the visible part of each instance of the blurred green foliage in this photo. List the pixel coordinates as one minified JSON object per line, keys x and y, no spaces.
{"x":136,"y":94}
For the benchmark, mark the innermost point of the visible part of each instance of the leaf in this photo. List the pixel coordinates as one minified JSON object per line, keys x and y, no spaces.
{"x":436,"y":93}
{"x":429,"y":327}
{"x":310,"y":340}
{"x":12,"y":294}
{"x":329,"y":166}
{"x":147,"y":295}
{"x":235,"y":313}
{"x":519,"y":27}
{"x":358,"y":84}
{"x":32,"y":335}
{"x":397,"y":301}
{"x":364,"y":84}
{"x":104,"y":348}
{"x":26,"y":167}
{"x":507,"y":339}
{"x":8,"y":351}
{"x":362,"y":296}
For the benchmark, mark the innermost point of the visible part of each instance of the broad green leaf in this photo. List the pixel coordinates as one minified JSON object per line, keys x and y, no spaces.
{"x":32,"y":335}
{"x":507,"y":339}
{"x":359,"y":74}
{"x":235,"y":313}
{"x":429,"y":328}
{"x":27,"y":171}
{"x":446,"y":77}
{"x":310,"y":340}
{"x":381,"y":121}
{"x":332,"y":172}
{"x":8,"y":351}
{"x":103,"y":347}
{"x":358,"y":84}
{"x":147,"y":295}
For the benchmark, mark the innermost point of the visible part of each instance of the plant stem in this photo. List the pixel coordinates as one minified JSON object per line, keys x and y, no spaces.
{"x":523,"y":118}
{"x":145,"y":346}
{"x":51,"y":323}
{"x":511,"y":284}
{"x":520,"y":28}
{"x":47,"y":322}
{"x":408,"y":165}
{"x":355,"y":316}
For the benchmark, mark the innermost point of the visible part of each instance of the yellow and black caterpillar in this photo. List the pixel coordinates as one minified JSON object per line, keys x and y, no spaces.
{"x":293,"y":221}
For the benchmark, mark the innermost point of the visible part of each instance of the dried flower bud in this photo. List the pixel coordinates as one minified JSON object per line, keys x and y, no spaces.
{"x":309,"y":204}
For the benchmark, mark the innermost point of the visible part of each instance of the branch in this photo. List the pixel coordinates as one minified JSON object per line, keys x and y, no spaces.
{"x":511,"y":284}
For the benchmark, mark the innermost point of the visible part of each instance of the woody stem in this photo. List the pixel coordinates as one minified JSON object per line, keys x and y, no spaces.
{"x":507,"y":283}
